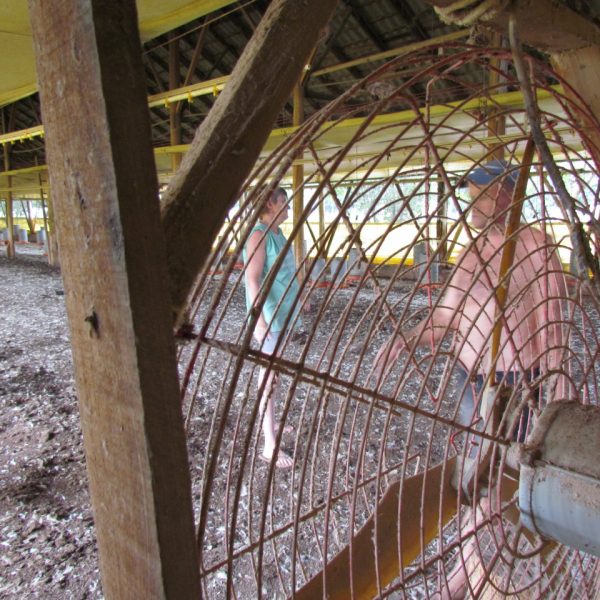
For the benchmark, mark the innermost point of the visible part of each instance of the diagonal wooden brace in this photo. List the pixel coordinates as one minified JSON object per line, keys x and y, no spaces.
{"x":229,"y":140}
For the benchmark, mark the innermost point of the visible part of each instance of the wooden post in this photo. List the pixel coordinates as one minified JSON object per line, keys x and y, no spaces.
{"x":48,"y":223}
{"x":113,"y":262}
{"x":10,"y":222}
{"x":298,"y":179}
{"x":580,"y":68}
{"x":496,"y":123}
{"x":174,"y":114}
{"x":53,"y":254}
{"x":229,"y":140}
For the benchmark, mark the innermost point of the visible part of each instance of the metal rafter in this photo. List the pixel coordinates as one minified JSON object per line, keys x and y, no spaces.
{"x":405,"y":10}
{"x":361,"y":18}
{"x":212,"y":30}
{"x":165,"y":69}
{"x":327,"y":46}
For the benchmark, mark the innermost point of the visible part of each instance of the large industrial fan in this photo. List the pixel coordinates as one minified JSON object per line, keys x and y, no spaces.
{"x":392,"y":493}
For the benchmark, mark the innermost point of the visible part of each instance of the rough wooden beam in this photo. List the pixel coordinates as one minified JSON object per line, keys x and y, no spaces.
{"x":573,"y":43}
{"x":105,"y":199}
{"x":581,"y":69}
{"x":548,"y":25}
{"x":229,"y":140}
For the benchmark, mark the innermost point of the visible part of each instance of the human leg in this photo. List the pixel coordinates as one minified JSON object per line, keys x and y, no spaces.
{"x":468,"y":389}
{"x":270,"y":389}
{"x":456,"y":583}
{"x":468,"y":575}
{"x":462,"y":577}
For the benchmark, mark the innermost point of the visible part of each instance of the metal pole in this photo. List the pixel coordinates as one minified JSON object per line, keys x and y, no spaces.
{"x":496,"y":123}
{"x":174,"y":114}
{"x":298,"y":178}
{"x":10,"y":249}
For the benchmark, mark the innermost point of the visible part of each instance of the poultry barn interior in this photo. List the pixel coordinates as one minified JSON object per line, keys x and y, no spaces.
{"x":143,"y":144}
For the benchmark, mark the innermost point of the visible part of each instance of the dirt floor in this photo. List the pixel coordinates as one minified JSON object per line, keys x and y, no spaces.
{"x":48,"y":546}
{"x":339,"y":442}
{"x":47,"y":539}
{"x":47,"y":531}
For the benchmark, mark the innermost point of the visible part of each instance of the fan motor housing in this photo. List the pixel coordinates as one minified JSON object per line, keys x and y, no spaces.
{"x":559,"y":483}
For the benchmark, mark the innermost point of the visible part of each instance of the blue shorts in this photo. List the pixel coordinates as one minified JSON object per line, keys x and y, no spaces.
{"x":471,"y":388}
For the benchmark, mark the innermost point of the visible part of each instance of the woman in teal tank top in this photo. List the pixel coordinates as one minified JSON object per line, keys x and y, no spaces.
{"x":284,"y":290}
{"x":262,"y":250}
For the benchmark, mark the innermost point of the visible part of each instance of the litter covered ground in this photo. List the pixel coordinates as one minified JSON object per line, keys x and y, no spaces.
{"x":48,"y":545}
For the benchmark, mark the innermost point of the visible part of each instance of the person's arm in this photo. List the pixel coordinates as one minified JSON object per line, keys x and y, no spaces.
{"x":445,"y":317}
{"x":256,"y":253}
{"x":432,"y":328}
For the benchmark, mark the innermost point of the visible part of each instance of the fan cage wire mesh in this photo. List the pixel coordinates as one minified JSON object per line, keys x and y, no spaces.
{"x":264,"y":531}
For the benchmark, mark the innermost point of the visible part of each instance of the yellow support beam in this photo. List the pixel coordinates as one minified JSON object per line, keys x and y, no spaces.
{"x":22,"y":134}
{"x":441,"y":39}
{"x":188,"y":92}
{"x":216,"y":85}
{"x":503,"y":100}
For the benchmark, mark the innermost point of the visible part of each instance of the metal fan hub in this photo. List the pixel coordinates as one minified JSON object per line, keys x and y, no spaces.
{"x":559,"y":484}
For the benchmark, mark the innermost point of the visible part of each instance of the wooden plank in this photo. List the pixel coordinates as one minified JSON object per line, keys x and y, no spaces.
{"x":229,"y":140}
{"x":548,"y":25}
{"x":105,"y":194}
{"x":580,"y":69}
{"x":412,"y":513}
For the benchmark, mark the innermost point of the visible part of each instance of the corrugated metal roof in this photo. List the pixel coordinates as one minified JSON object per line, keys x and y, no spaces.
{"x":358,"y":30}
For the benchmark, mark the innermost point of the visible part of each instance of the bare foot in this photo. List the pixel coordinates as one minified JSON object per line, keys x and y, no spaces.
{"x":284,"y":460}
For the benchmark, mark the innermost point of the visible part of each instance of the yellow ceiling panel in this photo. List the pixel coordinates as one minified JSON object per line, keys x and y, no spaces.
{"x":17,"y":66}
{"x":17,"y":63}
{"x":158,"y":16}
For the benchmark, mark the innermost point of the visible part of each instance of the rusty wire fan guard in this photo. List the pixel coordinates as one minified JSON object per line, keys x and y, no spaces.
{"x":388,"y":189}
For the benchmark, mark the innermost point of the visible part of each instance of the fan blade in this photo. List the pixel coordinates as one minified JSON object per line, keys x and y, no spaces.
{"x":427,"y":502}
{"x":510,"y":511}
